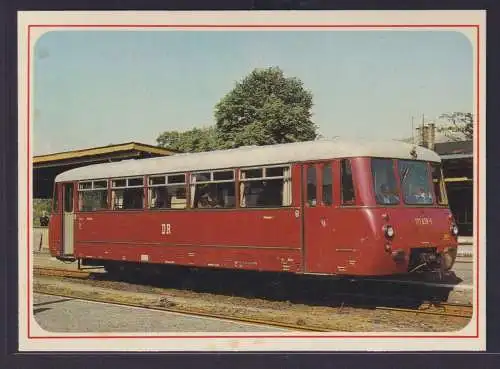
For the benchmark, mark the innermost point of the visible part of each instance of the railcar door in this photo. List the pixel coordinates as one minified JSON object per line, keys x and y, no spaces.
{"x":318,"y":217}
{"x":68,"y":219}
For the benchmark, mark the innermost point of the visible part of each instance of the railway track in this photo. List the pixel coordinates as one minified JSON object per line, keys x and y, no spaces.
{"x":190,"y":312}
{"x":425,"y":308}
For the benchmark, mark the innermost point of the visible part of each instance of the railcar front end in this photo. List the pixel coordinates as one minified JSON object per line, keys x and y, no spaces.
{"x":413,"y":227}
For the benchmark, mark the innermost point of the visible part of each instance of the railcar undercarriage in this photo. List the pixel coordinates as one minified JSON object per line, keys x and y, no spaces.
{"x":428,"y":259}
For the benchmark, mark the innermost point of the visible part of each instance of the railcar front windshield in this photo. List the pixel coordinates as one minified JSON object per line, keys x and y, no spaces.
{"x":384,"y":182}
{"x":416,"y":182}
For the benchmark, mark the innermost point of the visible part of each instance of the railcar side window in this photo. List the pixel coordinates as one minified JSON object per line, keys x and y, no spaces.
{"x":265,"y":187}
{"x":211,"y":190}
{"x":85,"y":185}
{"x":439,"y":185}
{"x":327,"y":185}
{"x":101,"y":184}
{"x":176,"y":178}
{"x":384,"y":182}
{"x":127,"y":193}
{"x":93,"y":195}
{"x":415,"y":182}
{"x":311,"y":185}
{"x":253,"y":173}
{"x":347,"y":183}
{"x":55,"y":201}
{"x":167,"y":192}
{"x":119,"y":183}
{"x":132,"y":182}
{"x":68,"y":198}
{"x":156,"y":181}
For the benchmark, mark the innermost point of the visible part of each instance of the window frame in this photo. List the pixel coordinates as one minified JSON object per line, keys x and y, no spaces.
{"x":442,"y":185}
{"x":192,"y":176}
{"x":193,"y":183}
{"x":92,"y":188}
{"x":331,"y":167}
{"x":311,"y":197}
{"x":343,"y":203}
{"x":55,"y":198}
{"x":396,"y":177}
{"x":127,"y":179}
{"x":286,"y":178}
{"x":113,"y":187}
{"x":71,"y":187}
{"x":430,"y":183}
{"x":167,"y":184}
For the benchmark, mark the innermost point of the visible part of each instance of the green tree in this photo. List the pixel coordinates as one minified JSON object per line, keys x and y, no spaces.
{"x":169,"y":139}
{"x":194,"y":140}
{"x":265,"y":108}
{"x":457,"y":126}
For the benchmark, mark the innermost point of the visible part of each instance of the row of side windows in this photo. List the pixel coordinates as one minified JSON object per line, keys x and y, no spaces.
{"x":258,"y":187}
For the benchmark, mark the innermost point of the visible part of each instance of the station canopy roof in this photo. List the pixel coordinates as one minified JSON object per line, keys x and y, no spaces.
{"x":47,"y":167}
{"x":127,"y":150}
{"x":454,"y":150}
{"x":457,"y":158}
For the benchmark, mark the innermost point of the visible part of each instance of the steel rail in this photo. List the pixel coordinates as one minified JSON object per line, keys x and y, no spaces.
{"x":466,"y":309}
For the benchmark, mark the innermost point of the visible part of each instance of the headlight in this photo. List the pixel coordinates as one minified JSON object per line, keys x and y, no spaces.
{"x":389,"y":231}
{"x":454,"y":230}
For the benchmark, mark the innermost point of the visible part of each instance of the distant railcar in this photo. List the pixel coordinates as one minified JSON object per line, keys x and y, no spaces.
{"x":334,"y":207}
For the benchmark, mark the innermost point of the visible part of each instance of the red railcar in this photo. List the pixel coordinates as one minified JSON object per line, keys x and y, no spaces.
{"x":323,"y":207}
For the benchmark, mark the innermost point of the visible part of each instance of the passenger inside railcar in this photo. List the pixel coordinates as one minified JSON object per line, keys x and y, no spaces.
{"x":272,"y":193}
{"x":386,"y":196}
{"x":415,"y":183}
{"x":159,"y":199}
{"x":207,"y":200}
{"x":265,"y":196}
{"x":423,"y":197}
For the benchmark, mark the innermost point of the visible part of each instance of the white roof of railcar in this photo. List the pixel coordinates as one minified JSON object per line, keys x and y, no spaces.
{"x":249,"y":156}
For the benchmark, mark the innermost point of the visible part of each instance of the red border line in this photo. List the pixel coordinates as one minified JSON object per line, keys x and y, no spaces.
{"x":29,"y":184}
{"x":254,"y":26}
{"x":240,"y":336}
{"x":478,"y":107}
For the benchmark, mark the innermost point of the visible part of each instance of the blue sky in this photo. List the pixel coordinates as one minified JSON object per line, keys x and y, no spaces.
{"x":94,"y":88}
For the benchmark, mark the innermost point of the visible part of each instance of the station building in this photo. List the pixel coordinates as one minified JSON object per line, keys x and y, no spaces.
{"x":457,"y":159}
